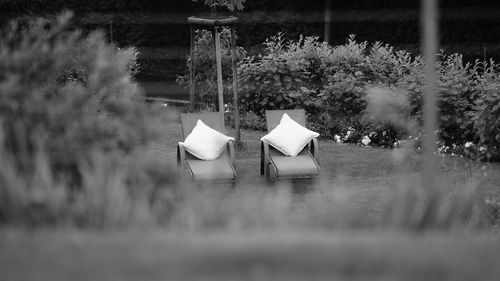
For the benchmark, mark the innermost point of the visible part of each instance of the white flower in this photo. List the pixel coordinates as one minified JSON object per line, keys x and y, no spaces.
{"x":164,"y":104}
{"x":482,"y":148}
{"x":366,"y":140}
{"x":337,"y":138}
{"x":468,"y":144}
{"x":349,"y":133}
{"x":397,"y":143}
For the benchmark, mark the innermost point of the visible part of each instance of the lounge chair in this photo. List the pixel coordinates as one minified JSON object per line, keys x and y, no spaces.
{"x":304,"y":165}
{"x":214,"y":171}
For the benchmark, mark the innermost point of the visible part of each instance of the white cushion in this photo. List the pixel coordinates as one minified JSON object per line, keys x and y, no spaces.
{"x":205,"y":142}
{"x":289,"y":137}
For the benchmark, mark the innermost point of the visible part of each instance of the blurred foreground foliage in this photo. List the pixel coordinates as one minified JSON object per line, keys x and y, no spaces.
{"x":74,"y":126}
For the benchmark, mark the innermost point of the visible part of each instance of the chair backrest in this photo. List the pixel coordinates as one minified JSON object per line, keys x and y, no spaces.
{"x":273,"y":117}
{"x":212,"y":119}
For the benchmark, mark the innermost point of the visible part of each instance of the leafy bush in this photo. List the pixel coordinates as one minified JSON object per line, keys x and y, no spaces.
{"x":487,"y":106}
{"x":205,"y":74}
{"x":73,"y":123}
{"x":463,"y":87}
{"x":333,"y":84}
{"x":272,"y":81}
{"x":230,"y":4}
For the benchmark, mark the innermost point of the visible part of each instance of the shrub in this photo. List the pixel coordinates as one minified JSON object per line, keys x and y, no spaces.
{"x":272,"y":81}
{"x":230,"y":4}
{"x":462,"y":88}
{"x":487,"y":106}
{"x":329,"y":82}
{"x":332,"y":83}
{"x":351,"y":71}
{"x":205,"y":74}
{"x":70,"y":112}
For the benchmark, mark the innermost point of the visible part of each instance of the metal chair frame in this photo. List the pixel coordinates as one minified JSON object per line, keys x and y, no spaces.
{"x":273,"y":118}
{"x":211,"y":119}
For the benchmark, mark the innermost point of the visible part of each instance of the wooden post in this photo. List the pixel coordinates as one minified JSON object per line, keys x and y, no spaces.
{"x":218,"y":58}
{"x":234,"y":57}
{"x":192,"y":81}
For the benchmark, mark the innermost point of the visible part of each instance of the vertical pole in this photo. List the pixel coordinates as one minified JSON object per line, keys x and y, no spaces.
{"x":234,"y":57}
{"x":328,"y":20}
{"x":111,"y":30}
{"x":218,"y":59}
{"x":192,"y":81}
{"x":429,"y":23}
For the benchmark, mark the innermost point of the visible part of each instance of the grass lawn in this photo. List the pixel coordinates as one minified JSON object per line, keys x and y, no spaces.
{"x":348,"y":166}
{"x":277,"y":252}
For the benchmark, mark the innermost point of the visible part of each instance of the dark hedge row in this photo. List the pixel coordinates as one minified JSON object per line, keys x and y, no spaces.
{"x":467,"y":36}
{"x":186,"y":5}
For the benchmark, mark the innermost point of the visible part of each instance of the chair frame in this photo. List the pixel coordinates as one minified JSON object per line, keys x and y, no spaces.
{"x":213,"y":120}
{"x":273,"y":118}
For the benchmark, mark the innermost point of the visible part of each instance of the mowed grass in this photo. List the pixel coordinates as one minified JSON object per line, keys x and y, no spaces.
{"x":280,"y":233}
{"x":348,"y":166}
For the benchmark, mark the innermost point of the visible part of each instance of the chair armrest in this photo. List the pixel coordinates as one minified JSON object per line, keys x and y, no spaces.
{"x":181,"y":155}
{"x":264,"y":157}
{"x":230,"y":148}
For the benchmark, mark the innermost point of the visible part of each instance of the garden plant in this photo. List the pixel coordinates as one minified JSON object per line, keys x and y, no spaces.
{"x":74,"y":127}
{"x":80,"y":151}
{"x":333,"y":84}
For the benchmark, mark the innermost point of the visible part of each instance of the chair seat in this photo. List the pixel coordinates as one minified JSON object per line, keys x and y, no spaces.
{"x":215,"y":170}
{"x":302,"y":165}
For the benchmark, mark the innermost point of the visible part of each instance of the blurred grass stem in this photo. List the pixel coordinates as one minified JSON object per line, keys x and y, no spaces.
{"x":429,"y":15}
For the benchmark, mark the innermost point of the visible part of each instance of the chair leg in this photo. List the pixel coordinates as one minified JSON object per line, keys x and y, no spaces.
{"x":262,"y":159}
{"x":273,"y":173}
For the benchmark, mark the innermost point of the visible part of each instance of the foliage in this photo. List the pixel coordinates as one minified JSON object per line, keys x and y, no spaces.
{"x":72,"y":120}
{"x":205,"y":74}
{"x":230,"y":4}
{"x":248,"y":120}
{"x":275,"y":80}
{"x":487,"y":105}
{"x":333,"y":83}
